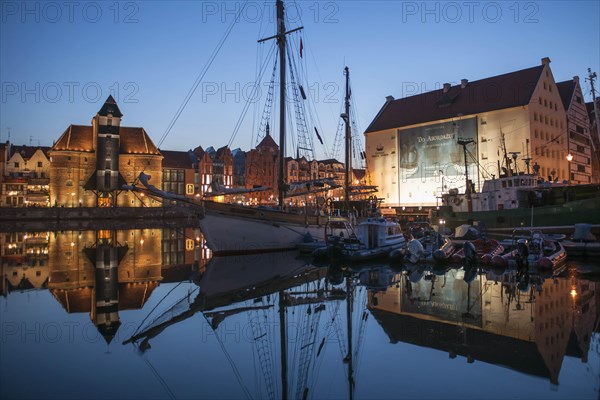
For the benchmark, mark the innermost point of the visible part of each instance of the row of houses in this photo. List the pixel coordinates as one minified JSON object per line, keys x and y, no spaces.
{"x":88,"y":165}
{"x":519,"y":122}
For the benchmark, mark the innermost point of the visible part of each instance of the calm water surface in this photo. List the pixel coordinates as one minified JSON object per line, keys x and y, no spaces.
{"x":149,"y":314}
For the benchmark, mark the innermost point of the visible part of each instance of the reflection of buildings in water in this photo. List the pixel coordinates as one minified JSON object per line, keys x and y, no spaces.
{"x":23,"y":261}
{"x":184,"y":252}
{"x":491,"y":321}
{"x":104,"y":272}
{"x":585,"y":300}
{"x":107,"y":271}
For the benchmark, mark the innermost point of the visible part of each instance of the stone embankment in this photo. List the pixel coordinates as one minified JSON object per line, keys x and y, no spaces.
{"x":81,"y":218}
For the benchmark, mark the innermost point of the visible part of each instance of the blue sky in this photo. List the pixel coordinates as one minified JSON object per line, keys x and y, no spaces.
{"x":60,"y":60}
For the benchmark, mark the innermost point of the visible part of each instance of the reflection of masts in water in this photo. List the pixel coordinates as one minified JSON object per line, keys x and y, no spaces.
{"x":348,"y":358}
{"x":283,"y":340}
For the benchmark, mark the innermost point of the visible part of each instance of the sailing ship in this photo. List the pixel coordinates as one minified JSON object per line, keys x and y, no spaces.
{"x":240,"y":229}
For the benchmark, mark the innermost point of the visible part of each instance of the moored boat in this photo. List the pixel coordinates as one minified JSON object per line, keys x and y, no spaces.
{"x":535,"y":251}
{"x":375,"y":238}
{"x":522,"y":200}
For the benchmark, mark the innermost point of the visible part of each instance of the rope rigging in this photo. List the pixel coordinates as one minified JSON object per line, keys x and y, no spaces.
{"x":200,"y":76}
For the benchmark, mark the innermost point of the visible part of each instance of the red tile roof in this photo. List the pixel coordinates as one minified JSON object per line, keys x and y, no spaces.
{"x":176,"y":159}
{"x":81,"y":138}
{"x":267,"y":142}
{"x":499,"y":92}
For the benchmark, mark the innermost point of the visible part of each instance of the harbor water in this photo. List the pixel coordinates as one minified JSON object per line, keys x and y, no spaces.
{"x":149,"y":313}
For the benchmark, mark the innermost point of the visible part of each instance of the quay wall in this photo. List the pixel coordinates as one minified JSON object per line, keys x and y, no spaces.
{"x":81,"y":218}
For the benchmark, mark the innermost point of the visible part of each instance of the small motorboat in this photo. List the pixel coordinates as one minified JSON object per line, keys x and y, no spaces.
{"x":375,"y":238}
{"x":533,"y":252}
{"x":479,"y":250}
{"x":455,"y":243}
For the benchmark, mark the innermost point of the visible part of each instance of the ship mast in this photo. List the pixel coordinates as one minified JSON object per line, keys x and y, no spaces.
{"x":348,"y":139}
{"x":280,"y":36}
{"x":464,"y":142}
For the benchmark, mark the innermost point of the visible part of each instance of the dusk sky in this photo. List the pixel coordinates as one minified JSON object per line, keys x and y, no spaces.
{"x":59,"y":61}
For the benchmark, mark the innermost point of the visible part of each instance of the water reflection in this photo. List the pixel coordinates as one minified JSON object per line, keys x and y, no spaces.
{"x":495,"y":319}
{"x":279,"y":326}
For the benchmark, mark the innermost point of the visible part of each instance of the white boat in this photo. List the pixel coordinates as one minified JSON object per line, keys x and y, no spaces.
{"x":375,"y":238}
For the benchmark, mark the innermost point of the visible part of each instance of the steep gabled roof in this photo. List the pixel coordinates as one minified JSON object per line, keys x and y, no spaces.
{"x":223,"y":150}
{"x":28,"y":151}
{"x":267,"y":142}
{"x":498,"y":92}
{"x":566,"y":90}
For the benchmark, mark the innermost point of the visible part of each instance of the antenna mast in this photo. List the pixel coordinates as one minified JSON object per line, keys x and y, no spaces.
{"x":591,"y":77}
{"x":464,"y":142}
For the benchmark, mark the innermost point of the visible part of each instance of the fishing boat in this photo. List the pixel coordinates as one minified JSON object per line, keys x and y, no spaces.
{"x":512,"y":201}
{"x":535,"y":251}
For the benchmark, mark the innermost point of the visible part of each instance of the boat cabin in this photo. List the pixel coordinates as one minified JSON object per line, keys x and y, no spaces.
{"x":379,"y":232}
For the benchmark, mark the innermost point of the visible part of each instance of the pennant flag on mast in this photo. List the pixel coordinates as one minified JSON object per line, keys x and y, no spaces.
{"x":318,"y":136}
{"x":301,"y":47}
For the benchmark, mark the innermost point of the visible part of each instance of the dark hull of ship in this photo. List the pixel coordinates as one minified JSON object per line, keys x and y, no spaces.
{"x":562,"y":215}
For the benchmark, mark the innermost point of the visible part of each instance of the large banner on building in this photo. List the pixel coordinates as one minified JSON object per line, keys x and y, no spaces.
{"x":430,"y":157}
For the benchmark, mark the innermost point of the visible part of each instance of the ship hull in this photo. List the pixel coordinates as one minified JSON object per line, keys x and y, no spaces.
{"x":235,"y":230}
{"x":567,"y":214}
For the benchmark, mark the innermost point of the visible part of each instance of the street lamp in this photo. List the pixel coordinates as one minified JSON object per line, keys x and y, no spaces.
{"x":72,"y":199}
{"x":569,"y":159}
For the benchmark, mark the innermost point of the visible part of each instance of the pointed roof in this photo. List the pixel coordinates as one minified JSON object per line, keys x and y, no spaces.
{"x":199,"y":152}
{"x":110,"y":107}
{"x":223,"y":150}
{"x":496,"y":93}
{"x":267,"y":142}
{"x":566,"y":90}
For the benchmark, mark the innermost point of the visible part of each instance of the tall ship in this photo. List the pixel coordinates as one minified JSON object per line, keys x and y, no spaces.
{"x":243,"y":229}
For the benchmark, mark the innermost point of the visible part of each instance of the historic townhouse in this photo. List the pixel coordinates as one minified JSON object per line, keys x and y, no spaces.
{"x":261,"y":169}
{"x":579,"y":142}
{"x":25,"y":180}
{"x":512,"y":122}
